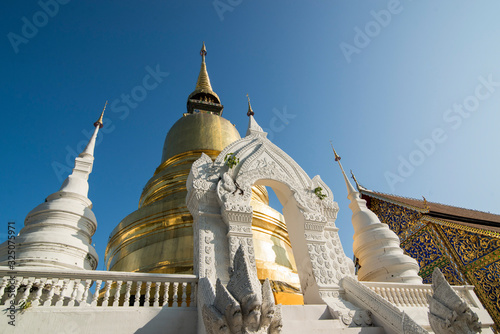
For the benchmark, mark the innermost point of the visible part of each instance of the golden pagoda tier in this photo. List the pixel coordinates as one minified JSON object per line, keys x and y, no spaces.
{"x":158,"y":237}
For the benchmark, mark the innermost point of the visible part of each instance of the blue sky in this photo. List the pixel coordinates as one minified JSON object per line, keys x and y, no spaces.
{"x":408,"y":91}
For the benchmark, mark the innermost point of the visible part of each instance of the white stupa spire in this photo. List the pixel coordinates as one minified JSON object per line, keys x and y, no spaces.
{"x":377,"y":248}
{"x":253,"y":126}
{"x":77,"y":182}
{"x":58,"y":233}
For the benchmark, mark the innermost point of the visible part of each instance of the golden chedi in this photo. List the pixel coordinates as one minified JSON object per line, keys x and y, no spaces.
{"x":158,"y":237}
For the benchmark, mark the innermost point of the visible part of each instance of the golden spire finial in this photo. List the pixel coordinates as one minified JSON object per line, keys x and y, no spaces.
{"x":250,"y":111}
{"x":203,"y":52}
{"x":203,"y":82}
{"x":99,"y":121}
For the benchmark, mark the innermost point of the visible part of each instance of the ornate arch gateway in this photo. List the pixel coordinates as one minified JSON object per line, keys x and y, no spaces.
{"x":219,"y":194}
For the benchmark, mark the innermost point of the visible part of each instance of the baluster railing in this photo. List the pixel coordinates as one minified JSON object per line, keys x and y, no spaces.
{"x":126,"y":300}
{"x":60,"y":299}
{"x":95,"y":297}
{"x":76,"y":285}
{"x":147,"y":296}
{"x":421,"y":296}
{"x":166,"y":286}
{"x":85,"y":294}
{"x":52,"y":290}
{"x":156,"y":302}
{"x":57,"y":288}
{"x":107,"y":288}
{"x":116,"y":301}
{"x":184,"y":294}
{"x":192,"y":297}
{"x":5,"y":281}
{"x":175,"y":297}
{"x":137,"y":294}
{"x":26,"y":294}
{"x":12,"y":291}
{"x":386,"y":295}
{"x":38,"y":295}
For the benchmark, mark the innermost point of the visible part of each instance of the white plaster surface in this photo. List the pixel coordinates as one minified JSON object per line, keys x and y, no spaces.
{"x":90,"y":320}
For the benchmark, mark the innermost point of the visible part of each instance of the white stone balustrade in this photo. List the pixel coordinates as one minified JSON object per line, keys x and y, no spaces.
{"x":81,"y":288}
{"x":415,"y":295}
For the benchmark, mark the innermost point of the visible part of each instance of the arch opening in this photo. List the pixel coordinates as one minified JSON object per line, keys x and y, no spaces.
{"x":273,"y":250}
{"x":294,"y":225}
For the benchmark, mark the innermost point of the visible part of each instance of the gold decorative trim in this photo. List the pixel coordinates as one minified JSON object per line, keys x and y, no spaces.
{"x":395,"y":202}
{"x":462,"y":227}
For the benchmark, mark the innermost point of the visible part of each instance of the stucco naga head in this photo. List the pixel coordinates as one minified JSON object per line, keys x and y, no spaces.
{"x":448,"y":313}
{"x":245,"y":305}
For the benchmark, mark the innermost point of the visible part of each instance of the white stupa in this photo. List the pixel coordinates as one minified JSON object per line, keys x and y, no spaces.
{"x":57,"y":233}
{"x":375,"y":245}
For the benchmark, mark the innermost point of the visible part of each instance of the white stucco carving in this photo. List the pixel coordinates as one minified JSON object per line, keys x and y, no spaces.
{"x":244,"y":306}
{"x":448,"y":313}
{"x":310,"y":220}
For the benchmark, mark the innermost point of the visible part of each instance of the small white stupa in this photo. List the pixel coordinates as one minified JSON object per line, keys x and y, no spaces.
{"x":375,"y":245}
{"x":58,"y":233}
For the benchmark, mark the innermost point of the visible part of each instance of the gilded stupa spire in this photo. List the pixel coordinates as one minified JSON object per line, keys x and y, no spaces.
{"x":203,"y":98}
{"x":203,"y":82}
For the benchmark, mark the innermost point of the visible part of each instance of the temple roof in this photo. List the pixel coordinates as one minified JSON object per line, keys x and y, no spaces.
{"x":452,"y":214}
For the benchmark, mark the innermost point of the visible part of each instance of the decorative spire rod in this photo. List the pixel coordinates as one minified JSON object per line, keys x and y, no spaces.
{"x":99,"y":121}
{"x":253,"y":126}
{"x":203,"y":52}
{"x":350,"y":188}
{"x":250,"y":111}
{"x":89,"y":149}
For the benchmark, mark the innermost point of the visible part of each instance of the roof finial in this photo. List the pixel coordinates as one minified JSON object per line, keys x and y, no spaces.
{"x":426,"y":205}
{"x":99,"y":121}
{"x":354,"y":178}
{"x":250,"y":111}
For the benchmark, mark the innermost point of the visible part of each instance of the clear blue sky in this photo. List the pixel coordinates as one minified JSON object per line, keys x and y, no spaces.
{"x":373,"y":76}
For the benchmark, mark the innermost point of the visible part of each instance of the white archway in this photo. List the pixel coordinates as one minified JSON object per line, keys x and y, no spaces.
{"x":219,"y":200}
